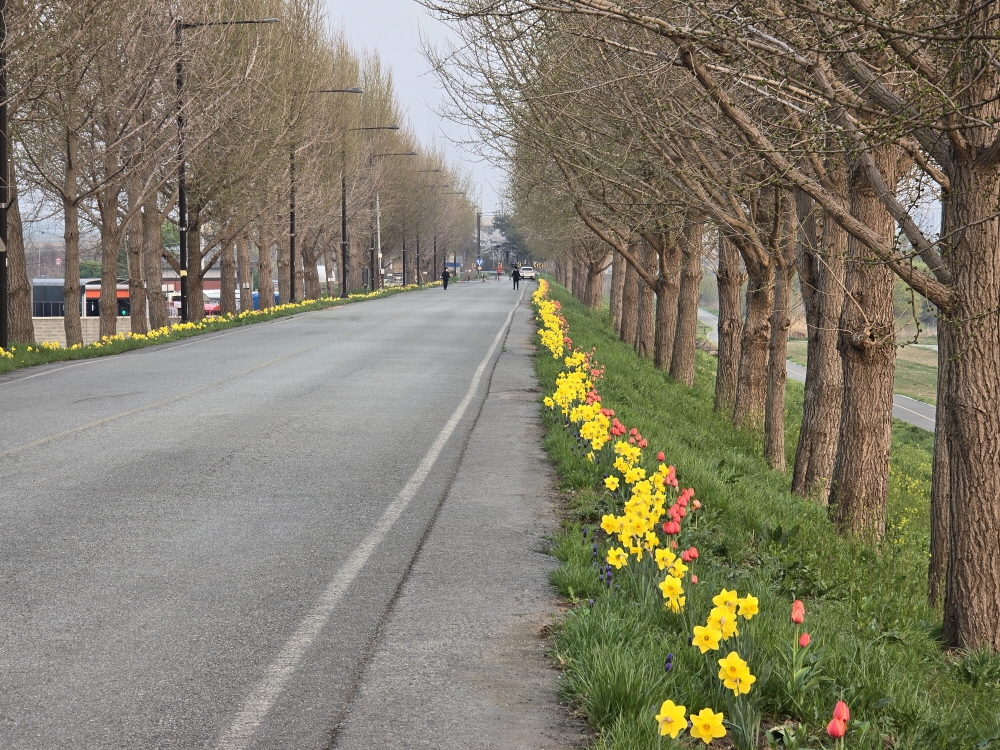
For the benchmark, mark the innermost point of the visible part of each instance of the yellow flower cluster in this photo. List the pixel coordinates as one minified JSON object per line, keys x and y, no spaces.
{"x":4,"y":354}
{"x":705,"y":726}
{"x":552,"y":330}
{"x":722,"y":620}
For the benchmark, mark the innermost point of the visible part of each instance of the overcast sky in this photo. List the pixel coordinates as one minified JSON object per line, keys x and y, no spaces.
{"x":393,"y":28}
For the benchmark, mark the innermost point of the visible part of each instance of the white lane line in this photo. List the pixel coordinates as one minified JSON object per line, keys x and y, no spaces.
{"x":266,"y":692}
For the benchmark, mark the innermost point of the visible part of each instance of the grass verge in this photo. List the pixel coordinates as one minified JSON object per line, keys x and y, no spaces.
{"x":875,"y":640}
{"x":23,"y":355}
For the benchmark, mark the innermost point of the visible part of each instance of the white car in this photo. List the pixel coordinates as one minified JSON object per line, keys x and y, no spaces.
{"x":527,"y":272}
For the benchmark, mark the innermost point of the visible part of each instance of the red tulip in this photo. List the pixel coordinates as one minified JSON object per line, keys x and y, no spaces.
{"x":632,"y":440}
{"x":805,"y":640}
{"x":798,"y":612}
{"x":633,"y":432}
{"x":643,"y":443}
{"x":693,"y":553}
{"x":696,"y":504}
{"x":673,"y":544}
{"x":694,"y":579}
{"x":685,"y":557}
{"x":836,"y":728}
{"x":660,"y":456}
{"x":841,"y":711}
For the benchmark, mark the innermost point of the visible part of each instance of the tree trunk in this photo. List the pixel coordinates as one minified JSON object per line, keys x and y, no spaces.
{"x":730,"y":280}
{"x":244,"y":274}
{"x":821,"y":278}
{"x":136,"y":282}
{"x":265,"y":270}
{"x":595,"y":284}
{"x":328,"y":266}
{"x":19,"y":303}
{"x":284,"y":271}
{"x":630,"y":305}
{"x":71,"y":242}
{"x":867,"y":345}
{"x":310,"y":277}
{"x":682,"y":361}
{"x":617,"y":285}
{"x":227,"y":278}
{"x":152,"y":250}
{"x":777,"y":371}
{"x":940,"y":477}
{"x":645,"y":335}
{"x":668,"y":285}
{"x":751,"y":382}
{"x":972,"y":405}
{"x":110,"y":245}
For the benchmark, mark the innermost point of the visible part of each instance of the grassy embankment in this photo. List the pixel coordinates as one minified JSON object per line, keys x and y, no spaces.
{"x":21,"y":355}
{"x":877,"y":640}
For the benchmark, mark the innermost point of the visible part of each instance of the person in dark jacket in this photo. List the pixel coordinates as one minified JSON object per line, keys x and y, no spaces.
{"x":516,"y":276}
{"x":444,"y":278}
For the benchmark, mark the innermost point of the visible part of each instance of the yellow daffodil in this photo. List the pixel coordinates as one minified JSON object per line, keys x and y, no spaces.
{"x":671,"y":719}
{"x":664,"y":557}
{"x":611,"y":483}
{"x":707,"y":725}
{"x":706,"y":638}
{"x":611,"y":524}
{"x":727,"y":599}
{"x":735,"y":674}
{"x":724,"y":621}
{"x":748,"y":607}
{"x":617,"y":557}
{"x":671,"y":587}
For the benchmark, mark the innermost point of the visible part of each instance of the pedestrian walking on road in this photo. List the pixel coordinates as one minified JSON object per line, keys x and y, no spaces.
{"x":516,"y":276}
{"x":499,"y":272}
{"x":444,"y":278}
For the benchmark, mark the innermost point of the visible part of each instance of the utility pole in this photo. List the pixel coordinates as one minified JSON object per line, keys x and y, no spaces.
{"x":404,"y":261}
{"x":418,"y":258}
{"x":343,"y":222}
{"x":181,"y":174}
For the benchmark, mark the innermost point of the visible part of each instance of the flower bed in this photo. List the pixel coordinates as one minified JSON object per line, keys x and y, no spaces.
{"x":19,"y":356}
{"x":635,"y":562}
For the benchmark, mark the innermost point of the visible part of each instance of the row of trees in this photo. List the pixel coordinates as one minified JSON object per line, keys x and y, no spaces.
{"x":265,"y":108}
{"x":847,"y":141}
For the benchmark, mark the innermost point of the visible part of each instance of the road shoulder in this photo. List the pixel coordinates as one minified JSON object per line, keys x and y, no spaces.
{"x":461,"y":661}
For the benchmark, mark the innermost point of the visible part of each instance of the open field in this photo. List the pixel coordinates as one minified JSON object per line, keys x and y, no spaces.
{"x":916,"y":369}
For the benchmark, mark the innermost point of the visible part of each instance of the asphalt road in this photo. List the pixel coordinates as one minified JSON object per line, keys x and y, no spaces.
{"x":904,"y":408}
{"x":200,"y":542}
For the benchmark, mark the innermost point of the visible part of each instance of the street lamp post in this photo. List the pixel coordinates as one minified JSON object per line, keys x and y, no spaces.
{"x":182,"y":228}
{"x":291,"y":197}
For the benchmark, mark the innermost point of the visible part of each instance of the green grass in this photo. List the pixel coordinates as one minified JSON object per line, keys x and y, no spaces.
{"x":30,"y":356}
{"x":916,"y":370}
{"x":866,"y":605}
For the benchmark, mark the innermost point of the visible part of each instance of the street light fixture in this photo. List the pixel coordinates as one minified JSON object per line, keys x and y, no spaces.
{"x":182,"y":228}
{"x":291,"y":196}
{"x":343,"y":204}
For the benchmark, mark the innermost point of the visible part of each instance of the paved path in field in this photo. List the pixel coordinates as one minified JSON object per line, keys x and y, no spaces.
{"x":903,"y":407}
{"x":318,"y":532}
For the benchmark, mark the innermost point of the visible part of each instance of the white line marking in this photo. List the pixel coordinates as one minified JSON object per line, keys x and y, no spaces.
{"x":266,"y":692}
